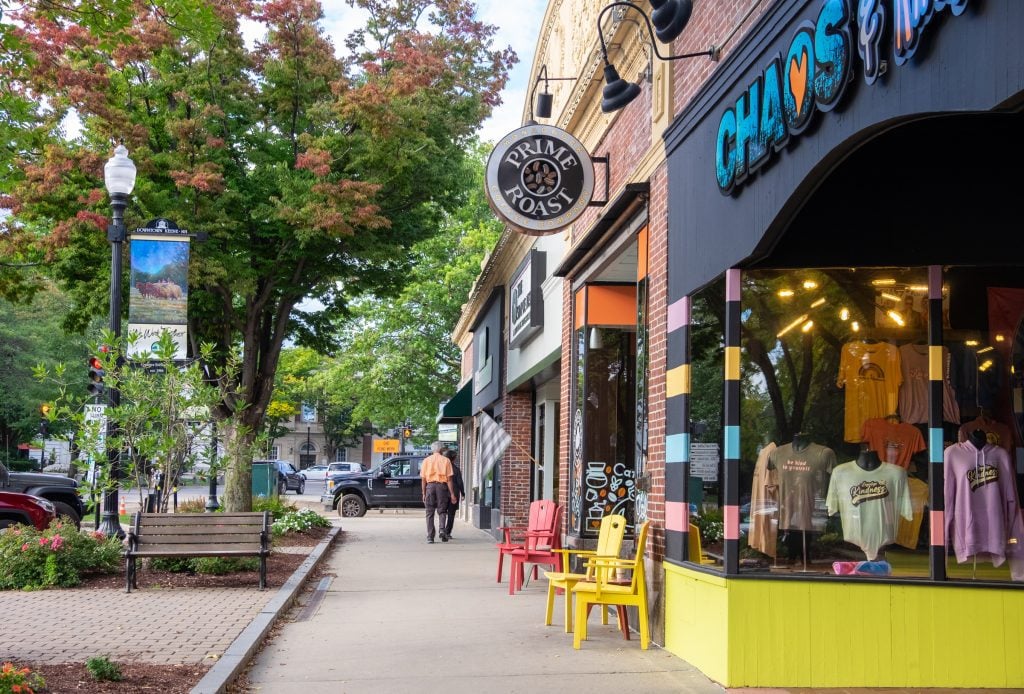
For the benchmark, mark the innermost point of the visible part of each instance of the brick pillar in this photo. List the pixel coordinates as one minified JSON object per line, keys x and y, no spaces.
{"x":517,"y":420}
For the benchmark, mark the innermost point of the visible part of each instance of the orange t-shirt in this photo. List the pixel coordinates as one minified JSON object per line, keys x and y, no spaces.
{"x":894,"y":442}
{"x":436,"y":468}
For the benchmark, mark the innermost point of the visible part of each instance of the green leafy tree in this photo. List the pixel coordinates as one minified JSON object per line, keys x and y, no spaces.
{"x":314,"y":175}
{"x":397,"y":359}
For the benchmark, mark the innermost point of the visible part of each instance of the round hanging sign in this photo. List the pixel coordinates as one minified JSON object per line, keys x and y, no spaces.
{"x":539,"y":179}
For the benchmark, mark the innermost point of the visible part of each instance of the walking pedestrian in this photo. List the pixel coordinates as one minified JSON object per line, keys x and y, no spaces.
{"x":436,"y":481}
{"x":459,"y":491}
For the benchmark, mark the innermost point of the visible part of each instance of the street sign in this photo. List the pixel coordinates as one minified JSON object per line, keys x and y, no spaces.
{"x":704,"y":459}
{"x":385,"y":446}
{"x":96,"y":416}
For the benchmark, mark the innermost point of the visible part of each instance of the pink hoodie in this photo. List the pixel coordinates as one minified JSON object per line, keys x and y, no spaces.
{"x":983,"y":516}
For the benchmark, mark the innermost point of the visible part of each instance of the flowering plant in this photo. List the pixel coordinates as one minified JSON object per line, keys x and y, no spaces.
{"x":299,"y":521}
{"x":15,"y":680}
{"x":57,"y":556}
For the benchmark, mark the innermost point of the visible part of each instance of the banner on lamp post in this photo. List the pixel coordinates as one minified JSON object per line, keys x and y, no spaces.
{"x":158,"y":300}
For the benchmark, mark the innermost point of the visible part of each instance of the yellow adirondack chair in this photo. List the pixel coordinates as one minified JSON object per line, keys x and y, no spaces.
{"x":697,"y":555}
{"x":607,"y":589}
{"x":609,"y":543}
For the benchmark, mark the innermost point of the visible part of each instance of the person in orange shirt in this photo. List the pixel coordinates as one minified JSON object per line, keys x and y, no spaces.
{"x":436,"y":480}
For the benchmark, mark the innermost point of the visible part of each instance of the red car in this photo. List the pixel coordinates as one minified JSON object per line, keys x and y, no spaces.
{"x":26,"y":509}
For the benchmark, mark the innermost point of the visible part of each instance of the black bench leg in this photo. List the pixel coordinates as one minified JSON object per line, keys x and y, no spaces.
{"x":129,"y":568}
{"x":263,"y":572}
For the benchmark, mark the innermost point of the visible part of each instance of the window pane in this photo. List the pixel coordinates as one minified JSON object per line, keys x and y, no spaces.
{"x":834,"y":414}
{"x":707,"y":363}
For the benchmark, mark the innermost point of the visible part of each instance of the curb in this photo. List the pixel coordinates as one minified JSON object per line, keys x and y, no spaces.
{"x":241,"y":650}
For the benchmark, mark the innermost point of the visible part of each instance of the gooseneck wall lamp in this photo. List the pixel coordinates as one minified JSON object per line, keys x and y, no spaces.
{"x":669,"y":19}
{"x":544,"y":99}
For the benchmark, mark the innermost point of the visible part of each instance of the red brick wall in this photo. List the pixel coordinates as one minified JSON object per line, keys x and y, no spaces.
{"x":711,"y":22}
{"x":515,"y":465}
{"x":565,"y":411}
{"x":657,"y":273}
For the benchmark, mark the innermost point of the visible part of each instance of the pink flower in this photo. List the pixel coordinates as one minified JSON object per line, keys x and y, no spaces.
{"x":24,"y":547}
{"x":43,"y":541}
{"x":57,"y":542}
{"x":98,"y":535}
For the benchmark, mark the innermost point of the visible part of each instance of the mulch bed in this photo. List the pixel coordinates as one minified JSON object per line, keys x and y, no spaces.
{"x":173,"y":679}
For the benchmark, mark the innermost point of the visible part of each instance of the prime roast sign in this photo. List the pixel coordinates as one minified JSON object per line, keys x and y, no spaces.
{"x":812,"y":76}
{"x":539,"y":179}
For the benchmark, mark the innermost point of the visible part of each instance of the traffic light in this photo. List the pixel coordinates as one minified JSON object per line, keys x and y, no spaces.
{"x":407,"y":433}
{"x":96,"y":374}
{"x":44,"y":421}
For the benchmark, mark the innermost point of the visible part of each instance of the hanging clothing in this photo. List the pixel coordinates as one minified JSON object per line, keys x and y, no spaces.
{"x":871,"y":375}
{"x":983,"y":516}
{"x":869,"y":502}
{"x":895,"y":442}
{"x":764,"y":525}
{"x":803,"y":480}
{"x":998,"y":434}
{"x":909,"y":532}
{"x":913,"y":394}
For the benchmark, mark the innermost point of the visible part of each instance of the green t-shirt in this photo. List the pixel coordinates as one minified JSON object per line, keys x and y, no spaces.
{"x":803,"y":479}
{"x":868,"y":503}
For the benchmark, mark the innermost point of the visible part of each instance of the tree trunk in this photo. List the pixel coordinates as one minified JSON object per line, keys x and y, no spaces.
{"x":238,"y":442}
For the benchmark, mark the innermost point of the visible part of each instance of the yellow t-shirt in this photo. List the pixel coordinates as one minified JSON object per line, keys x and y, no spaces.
{"x":870,"y":373}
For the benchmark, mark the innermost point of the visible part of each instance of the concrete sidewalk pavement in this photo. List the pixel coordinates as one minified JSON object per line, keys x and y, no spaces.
{"x":400,"y":615}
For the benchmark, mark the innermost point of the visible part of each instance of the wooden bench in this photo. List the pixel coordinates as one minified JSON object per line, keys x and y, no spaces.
{"x":185,"y":535}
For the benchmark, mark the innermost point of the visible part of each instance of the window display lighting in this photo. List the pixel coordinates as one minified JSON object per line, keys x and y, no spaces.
{"x":810,"y":284}
{"x":807,"y":326}
{"x":986,"y":349}
{"x":818,"y":302}
{"x":856,"y":326}
{"x":792,"y":325}
{"x":886,"y":282}
{"x":890,"y":297}
{"x":786,"y":293}
{"x":896,"y":317}
{"x":844,"y":313}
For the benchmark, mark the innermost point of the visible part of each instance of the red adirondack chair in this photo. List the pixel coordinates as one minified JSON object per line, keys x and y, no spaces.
{"x":539,"y":549}
{"x":543,"y":516}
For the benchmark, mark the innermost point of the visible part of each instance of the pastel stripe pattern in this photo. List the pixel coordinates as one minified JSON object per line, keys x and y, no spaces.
{"x":936,"y":500}
{"x":677,"y":433}
{"x":731,"y":403}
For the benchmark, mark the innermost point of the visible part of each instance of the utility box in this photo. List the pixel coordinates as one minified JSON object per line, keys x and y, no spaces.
{"x":264,"y":479}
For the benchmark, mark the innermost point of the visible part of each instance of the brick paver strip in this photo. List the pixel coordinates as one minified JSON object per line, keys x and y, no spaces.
{"x":152,"y":625}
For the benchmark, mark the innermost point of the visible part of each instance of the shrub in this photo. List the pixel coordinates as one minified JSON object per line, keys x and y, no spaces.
{"x":103,"y":670}
{"x":711,"y":525}
{"x":197,"y":505}
{"x":210,"y":566}
{"x":299,"y":521}
{"x":278,"y":508}
{"x":15,"y":679}
{"x":57,"y":556}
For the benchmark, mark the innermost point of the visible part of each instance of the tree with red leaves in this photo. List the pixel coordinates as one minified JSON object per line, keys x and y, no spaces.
{"x":313,"y":173}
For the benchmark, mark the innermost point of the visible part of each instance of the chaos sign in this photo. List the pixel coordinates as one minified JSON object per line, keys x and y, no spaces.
{"x":539,"y":179}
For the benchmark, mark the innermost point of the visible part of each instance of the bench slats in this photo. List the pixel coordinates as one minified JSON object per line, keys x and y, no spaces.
{"x":161,"y":530}
{"x":251,"y":548}
{"x":199,"y":519}
{"x":149,"y":540}
{"x":179,"y":553}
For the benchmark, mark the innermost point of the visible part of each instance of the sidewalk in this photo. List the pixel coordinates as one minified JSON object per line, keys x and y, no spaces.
{"x":400,"y":615}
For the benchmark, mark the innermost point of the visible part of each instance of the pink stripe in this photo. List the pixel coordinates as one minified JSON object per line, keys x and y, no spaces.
{"x":679,"y":314}
{"x":934,"y":281}
{"x":676,"y":516}
{"x":937,"y":521}
{"x":732,"y":522}
{"x":732,"y":284}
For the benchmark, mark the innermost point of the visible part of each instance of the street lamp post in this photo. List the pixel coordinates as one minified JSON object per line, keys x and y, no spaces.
{"x":211,"y":503}
{"x":119,"y":177}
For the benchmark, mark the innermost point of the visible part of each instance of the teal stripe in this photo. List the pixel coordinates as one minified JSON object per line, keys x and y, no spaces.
{"x":732,"y":443}
{"x":935,"y":445}
{"x":677,"y":448}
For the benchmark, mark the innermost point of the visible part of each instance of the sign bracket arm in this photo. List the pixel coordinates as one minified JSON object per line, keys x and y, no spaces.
{"x":606,"y":160}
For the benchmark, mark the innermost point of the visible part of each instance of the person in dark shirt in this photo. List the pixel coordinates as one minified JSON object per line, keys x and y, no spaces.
{"x":460,"y":491}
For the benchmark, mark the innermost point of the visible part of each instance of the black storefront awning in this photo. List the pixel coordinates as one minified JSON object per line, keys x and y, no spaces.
{"x":460,"y":406}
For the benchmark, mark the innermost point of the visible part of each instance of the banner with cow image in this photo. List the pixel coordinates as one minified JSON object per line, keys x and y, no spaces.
{"x":159,"y":287}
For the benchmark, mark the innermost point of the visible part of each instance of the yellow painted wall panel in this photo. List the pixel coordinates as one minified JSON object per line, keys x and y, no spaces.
{"x":844,"y":634}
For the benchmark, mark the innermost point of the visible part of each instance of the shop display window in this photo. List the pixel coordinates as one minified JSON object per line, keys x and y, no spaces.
{"x":835,"y":403}
{"x":707,"y":367}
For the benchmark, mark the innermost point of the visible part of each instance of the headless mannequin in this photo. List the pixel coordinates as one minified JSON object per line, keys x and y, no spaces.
{"x":868,"y":460}
{"x":801,"y":440}
{"x":979,"y":438}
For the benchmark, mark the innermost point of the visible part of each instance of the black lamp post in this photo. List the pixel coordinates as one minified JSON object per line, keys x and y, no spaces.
{"x":119,"y":176}
{"x":211,"y":502}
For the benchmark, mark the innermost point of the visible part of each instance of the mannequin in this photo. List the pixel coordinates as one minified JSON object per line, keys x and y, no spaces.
{"x":801,"y":440}
{"x":868,"y":460}
{"x":803,"y":473}
{"x":979,"y":438}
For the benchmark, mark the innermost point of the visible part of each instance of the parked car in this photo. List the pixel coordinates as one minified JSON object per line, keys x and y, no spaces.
{"x":289,"y":478}
{"x":25,"y":509}
{"x":314,"y":472}
{"x":395,"y":483}
{"x":60,"y":490}
{"x":344,"y":469}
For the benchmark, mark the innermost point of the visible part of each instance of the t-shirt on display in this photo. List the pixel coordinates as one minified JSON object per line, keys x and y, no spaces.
{"x":914,"y":389}
{"x":895,"y":442}
{"x":870,"y":373}
{"x":803,"y":477}
{"x":869,"y":504}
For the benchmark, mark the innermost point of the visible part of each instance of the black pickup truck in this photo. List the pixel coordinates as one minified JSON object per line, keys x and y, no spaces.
{"x":60,"y":490}
{"x":395,"y":483}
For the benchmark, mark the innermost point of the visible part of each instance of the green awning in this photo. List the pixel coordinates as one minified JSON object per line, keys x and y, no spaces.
{"x":459,"y":407}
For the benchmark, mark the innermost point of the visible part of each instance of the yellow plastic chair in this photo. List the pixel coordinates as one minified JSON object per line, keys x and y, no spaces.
{"x":697,"y":555}
{"x":608,"y":589}
{"x":609,"y":543}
